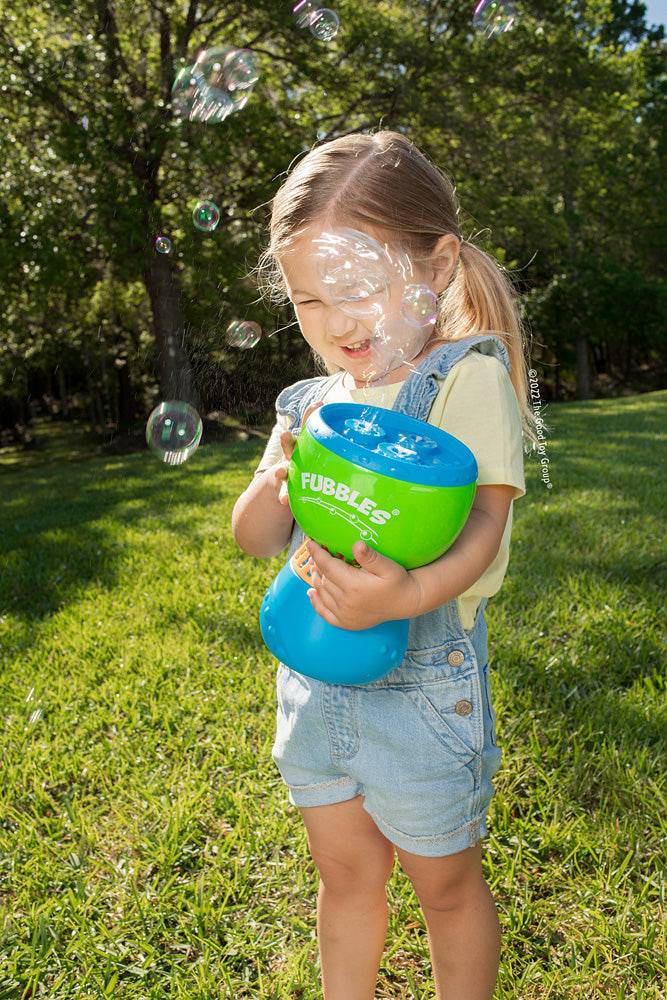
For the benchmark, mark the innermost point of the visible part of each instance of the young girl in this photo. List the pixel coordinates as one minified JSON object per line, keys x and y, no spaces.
{"x":404,"y":764}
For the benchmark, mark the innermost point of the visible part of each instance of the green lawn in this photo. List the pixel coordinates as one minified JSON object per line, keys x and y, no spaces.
{"x":147,"y":846}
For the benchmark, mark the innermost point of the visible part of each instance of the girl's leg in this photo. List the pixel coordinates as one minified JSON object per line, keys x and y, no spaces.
{"x":461,"y":920}
{"x":351,"y":932}
{"x":355,"y":861}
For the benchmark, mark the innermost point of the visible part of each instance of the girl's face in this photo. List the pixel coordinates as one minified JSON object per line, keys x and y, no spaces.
{"x":330,"y":329}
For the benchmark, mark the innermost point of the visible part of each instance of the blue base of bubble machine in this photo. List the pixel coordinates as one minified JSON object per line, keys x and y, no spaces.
{"x":305,"y":642}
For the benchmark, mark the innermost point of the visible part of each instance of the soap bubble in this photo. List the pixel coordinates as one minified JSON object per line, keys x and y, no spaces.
{"x":240,"y":69}
{"x":206,"y":216}
{"x":419,"y":305}
{"x":303,"y":12}
{"x":372,"y":283}
{"x":493,"y":17}
{"x":355,"y":269}
{"x":219,"y":82}
{"x":324,"y":24}
{"x":173,"y":431}
{"x":162,"y":244}
{"x":243,"y":333}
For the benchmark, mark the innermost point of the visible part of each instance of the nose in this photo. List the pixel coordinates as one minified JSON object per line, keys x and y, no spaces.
{"x":338,"y":324}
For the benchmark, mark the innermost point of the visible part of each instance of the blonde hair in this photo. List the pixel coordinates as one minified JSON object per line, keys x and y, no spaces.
{"x":381,"y":182}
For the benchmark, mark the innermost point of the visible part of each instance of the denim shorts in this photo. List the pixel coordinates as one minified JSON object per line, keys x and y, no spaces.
{"x":419,"y":744}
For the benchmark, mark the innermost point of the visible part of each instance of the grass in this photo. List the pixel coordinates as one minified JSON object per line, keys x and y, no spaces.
{"x":147,"y":846}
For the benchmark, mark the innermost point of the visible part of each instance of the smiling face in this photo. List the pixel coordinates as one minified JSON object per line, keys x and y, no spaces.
{"x":330,"y":328}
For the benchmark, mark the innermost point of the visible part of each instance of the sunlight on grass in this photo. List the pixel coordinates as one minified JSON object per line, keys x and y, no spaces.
{"x":147,"y":845}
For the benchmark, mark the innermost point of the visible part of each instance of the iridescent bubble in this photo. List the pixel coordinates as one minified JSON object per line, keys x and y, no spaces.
{"x":367,"y":280}
{"x":303,"y":12}
{"x":419,"y":305}
{"x":206,"y":216}
{"x":173,"y":431}
{"x":209,"y":91}
{"x":324,"y":24}
{"x":493,"y":17}
{"x":162,"y":244}
{"x":243,"y":333}
{"x":355,"y":269}
{"x":240,"y":69}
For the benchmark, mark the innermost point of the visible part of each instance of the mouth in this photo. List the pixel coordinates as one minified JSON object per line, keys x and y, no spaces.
{"x":360,"y":350}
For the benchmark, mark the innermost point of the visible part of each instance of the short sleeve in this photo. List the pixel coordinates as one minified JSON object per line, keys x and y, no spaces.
{"x":478,"y":405}
{"x":273,"y":452}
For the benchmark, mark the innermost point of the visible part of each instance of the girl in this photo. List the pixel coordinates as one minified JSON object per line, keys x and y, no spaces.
{"x":404,"y":764}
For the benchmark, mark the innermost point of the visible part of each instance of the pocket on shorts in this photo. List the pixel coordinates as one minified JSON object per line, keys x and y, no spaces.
{"x":453,"y":711}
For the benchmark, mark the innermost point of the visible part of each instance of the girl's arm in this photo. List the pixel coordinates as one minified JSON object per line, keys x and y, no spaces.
{"x":261,"y":524}
{"x":471,"y":554}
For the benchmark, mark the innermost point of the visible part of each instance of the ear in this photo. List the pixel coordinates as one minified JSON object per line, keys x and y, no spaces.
{"x":443,"y":261}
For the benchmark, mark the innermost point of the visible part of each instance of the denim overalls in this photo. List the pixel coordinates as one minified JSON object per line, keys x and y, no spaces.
{"x":419,"y":743}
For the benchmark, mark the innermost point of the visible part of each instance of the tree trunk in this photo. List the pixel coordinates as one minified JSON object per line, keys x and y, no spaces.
{"x":125,"y":397}
{"x":583,"y":373}
{"x":174,"y":369}
{"x":62,"y":392}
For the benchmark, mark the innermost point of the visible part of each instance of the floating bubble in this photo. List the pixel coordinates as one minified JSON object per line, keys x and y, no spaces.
{"x":493,"y":17}
{"x":324,"y":24}
{"x":243,"y":333}
{"x":206,"y":216}
{"x":219,"y":83}
{"x":303,"y":12}
{"x":240,"y":69}
{"x":419,"y":305}
{"x":162,"y":244}
{"x":173,"y":431}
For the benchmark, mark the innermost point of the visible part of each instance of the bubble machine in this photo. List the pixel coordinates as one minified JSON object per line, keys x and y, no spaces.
{"x":359,"y":472}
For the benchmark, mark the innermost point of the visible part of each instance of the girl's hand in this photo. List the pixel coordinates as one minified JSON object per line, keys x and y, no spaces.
{"x":288,"y":443}
{"x":381,"y":590}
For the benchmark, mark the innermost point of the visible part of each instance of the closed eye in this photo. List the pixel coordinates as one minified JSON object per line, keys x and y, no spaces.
{"x":308,"y":302}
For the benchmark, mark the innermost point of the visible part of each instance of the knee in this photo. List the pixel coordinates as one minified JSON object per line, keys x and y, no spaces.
{"x":353,"y":881}
{"x":455,"y":897}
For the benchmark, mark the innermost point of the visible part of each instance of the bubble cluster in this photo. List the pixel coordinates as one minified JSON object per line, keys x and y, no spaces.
{"x":493,"y":17}
{"x":322,"y":22}
{"x":373,"y":283}
{"x":243,"y":334}
{"x":419,"y":305}
{"x":219,"y":83}
{"x":173,"y":431}
{"x":206,"y":216}
{"x":162,"y":244}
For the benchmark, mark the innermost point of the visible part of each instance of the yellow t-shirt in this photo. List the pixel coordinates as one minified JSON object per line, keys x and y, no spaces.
{"x":476,"y":403}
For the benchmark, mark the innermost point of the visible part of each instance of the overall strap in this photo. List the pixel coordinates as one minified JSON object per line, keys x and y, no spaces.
{"x":295,"y":399}
{"x":420,"y":389}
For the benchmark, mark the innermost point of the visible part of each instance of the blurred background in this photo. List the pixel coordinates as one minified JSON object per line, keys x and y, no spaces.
{"x":553,"y":132}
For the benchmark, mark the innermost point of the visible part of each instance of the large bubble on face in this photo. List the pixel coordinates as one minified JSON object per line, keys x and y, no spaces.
{"x":373,"y":283}
{"x":173,"y":431}
{"x":217,"y":84}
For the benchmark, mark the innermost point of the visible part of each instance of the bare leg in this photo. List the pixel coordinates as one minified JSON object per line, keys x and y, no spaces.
{"x":351,"y":931}
{"x":464,"y":940}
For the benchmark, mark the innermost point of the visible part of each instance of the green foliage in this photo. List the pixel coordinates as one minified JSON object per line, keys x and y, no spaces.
{"x":553,"y":133}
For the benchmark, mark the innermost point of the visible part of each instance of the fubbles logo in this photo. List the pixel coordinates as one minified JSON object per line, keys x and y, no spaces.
{"x":341,"y":491}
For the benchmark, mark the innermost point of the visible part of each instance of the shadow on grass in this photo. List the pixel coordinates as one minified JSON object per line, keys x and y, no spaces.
{"x":55,"y":520}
